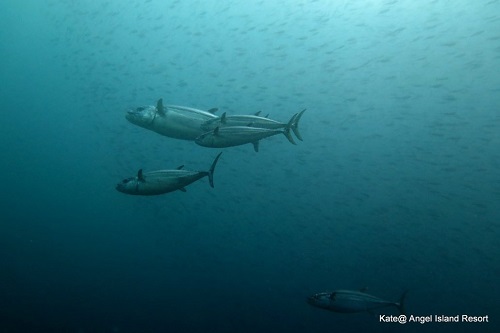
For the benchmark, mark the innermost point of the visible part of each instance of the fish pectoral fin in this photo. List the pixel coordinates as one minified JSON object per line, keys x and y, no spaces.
{"x":183,"y":189}
{"x":180,"y":167}
{"x":213,"y":110}
{"x":223,"y":118}
{"x":216,"y":131}
{"x":256,"y":146}
{"x":332,"y":296}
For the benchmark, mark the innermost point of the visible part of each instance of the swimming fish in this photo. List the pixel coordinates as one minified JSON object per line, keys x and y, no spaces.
{"x":348,"y":301}
{"x":164,"y":181}
{"x":179,"y":122}
{"x":230,"y":136}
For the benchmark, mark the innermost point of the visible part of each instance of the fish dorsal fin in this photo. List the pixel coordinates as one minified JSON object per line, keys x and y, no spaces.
{"x":180,"y":167}
{"x":257,"y":113}
{"x":159,"y":107}
{"x":256,"y":146}
{"x":213,"y":110}
{"x":364,"y":289}
{"x":140,"y":176}
{"x":223,"y":118}
{"x":216,"y":131}
{"x":183,"y":189}
{"x":267,"y":116}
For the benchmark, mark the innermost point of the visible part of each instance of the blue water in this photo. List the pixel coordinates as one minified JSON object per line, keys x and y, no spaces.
{"x":396,"y":185}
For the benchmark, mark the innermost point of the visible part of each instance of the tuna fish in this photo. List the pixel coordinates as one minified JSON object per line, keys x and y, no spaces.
{"x":348,"y":301}
{"x":174,"y":121}
{"x":229,"y":136}
{"x":252,"y":121}
{"x":164,"y":181}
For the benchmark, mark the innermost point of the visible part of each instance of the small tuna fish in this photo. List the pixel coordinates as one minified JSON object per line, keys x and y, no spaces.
{"x":164,"y":181}
{"x":230,"y":136}
{"x":178,"y":122}
{"x":349,"y":301}
{"x":252,"y":121}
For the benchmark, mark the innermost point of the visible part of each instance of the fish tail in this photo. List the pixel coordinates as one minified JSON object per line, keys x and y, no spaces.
{"x":287,"y":128}
{"x":211,"y":171}
{"x":401,"y":303}
{"x":295,"y":124}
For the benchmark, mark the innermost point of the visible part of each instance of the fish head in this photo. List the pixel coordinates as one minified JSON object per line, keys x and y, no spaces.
{"x":206,"y":139}
{"x":128,"y":185}
{"x":320,"y":300}
{"x":142,"y":116}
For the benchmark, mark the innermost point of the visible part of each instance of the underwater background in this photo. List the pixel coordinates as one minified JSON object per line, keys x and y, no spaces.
{"x":396,"y":185}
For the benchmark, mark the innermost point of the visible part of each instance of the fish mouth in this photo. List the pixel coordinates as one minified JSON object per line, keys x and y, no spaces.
{"x":131,"y":115}
{"x":120,"y":187}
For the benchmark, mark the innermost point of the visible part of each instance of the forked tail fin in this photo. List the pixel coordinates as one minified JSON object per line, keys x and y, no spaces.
{"x":211,"y":171}
{"x":295,"y":124}
{"x":287,"y":128}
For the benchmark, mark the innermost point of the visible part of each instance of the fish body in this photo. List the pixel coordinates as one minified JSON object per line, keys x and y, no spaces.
{"x":164,"y":181}
{"x":174,"y":121}
{"x":349,"y":301}
{"x":252,"y":121}
{"x":242,"y":120}
{"x":230,"y":136}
